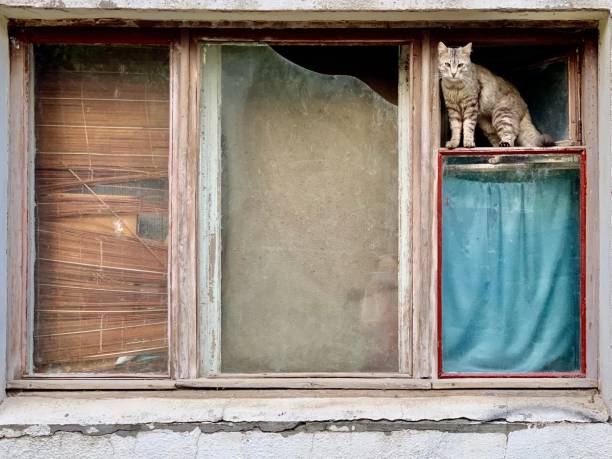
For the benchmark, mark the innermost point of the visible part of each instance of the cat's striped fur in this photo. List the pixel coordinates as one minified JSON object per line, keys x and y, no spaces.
{"x":474,"y":95}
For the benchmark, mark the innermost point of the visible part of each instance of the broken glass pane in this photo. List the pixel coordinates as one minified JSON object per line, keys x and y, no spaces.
{"x":309,"y":208}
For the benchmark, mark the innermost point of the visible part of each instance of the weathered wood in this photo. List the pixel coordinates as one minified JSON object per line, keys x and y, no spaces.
{"x":589,"y":123}
{"x":183,"y":192}
{"x":91,"y":384}
{"x":54,"y":29}
{"x":19,"y":229}
{"x":574,"y":85}
{"x":304,"y":383}
{"x":405,"y":123}
{"x":359,"y":375}
{"x":423,"y":199}
{"x":102,"y":35}
{"x":434,"y":145}
{"x":515,"y":37}
{"x":515,"y":383}
{"x":515,"y":150}
{"x":210,"y":212}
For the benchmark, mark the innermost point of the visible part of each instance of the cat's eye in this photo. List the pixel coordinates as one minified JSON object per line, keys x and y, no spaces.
{"x":447,"y":64}
{"x":459,"y":66}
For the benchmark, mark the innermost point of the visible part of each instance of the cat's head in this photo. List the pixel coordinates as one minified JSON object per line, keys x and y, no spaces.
{"x":454,"y":63}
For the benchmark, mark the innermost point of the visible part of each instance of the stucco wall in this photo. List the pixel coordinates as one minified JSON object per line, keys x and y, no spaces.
{"x":335,"y":441}
{"x":325,"y":424}
{"x":4,"y":148}
{"x":390,"y":428}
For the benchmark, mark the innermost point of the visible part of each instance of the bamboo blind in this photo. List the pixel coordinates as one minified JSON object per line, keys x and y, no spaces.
{"x":102,"y":138}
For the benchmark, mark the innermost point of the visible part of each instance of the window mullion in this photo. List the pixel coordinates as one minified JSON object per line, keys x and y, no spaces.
{"x":183,"y":186}
{"x":405,"y":209}
{"x":424,"y":249}
{"x":21,"y":193}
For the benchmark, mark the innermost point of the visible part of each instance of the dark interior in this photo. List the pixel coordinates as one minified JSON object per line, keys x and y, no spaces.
{"x":377,"y":66}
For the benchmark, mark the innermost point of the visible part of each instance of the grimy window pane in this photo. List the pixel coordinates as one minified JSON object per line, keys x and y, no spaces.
{"x":309,"y":202}
{"x":511,"y":264}
{"x":101,"y":209}
{"x":545,"y":89}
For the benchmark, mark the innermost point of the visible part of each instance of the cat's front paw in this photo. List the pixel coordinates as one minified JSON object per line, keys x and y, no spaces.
{"x":452,"y":144}
{"x":504,"y":145}
{"x":469,"y":143}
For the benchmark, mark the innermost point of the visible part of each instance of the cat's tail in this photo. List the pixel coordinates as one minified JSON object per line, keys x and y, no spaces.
{"x":529,"y":136}
{"x":546,"y":141}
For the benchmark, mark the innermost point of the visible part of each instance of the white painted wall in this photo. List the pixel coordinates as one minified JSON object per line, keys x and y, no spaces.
{"x":605,"y":209}
{"x":563,"y":441}
{"x":67,"y":425}
{"x":4,"y":148}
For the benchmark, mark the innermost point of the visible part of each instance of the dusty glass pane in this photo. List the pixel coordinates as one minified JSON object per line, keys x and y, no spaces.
{"x":309,"y":202}
{"x":545,"y":89}
{"x":101,"y":209}
{"x":511,"y":264}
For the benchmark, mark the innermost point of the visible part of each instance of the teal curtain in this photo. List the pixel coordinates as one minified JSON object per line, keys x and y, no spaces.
{"x":511,"y":271}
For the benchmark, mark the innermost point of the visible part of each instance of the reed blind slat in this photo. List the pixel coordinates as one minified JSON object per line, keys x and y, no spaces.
{"x":101,"y":187}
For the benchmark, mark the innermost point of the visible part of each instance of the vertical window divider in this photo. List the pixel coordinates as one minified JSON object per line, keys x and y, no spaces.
{"x":20,"y":252}
{"x":405,"y":209}
{"x":183,"y":215}
{"x":30,"y":211}
{"x":423,"y":222}
{"x":210,"y":212}
{"x":588,"y":121}
{"x":573,"y":74}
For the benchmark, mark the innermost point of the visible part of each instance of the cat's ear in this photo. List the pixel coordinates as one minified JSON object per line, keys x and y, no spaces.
{"x":442,"y":48}
{"x":467,"y":49}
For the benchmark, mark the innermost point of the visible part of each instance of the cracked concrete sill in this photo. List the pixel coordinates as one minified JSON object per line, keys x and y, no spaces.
{"x":32,"y":412}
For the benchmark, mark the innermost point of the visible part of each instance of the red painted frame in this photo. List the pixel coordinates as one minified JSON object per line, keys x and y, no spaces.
{"x":583,"y":184}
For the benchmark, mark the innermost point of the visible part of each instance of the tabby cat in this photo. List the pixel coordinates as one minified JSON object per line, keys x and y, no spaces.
{"x":473,"y":95}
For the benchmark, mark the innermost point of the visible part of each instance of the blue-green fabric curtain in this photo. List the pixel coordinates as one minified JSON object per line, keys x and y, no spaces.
{"x":511,"y":271}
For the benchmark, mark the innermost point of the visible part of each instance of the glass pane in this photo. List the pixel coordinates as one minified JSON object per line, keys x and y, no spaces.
{"x":309,"y":205}
{"x":545,"y":89}
{"x":101,"y":209}
{"x":511,"y":264}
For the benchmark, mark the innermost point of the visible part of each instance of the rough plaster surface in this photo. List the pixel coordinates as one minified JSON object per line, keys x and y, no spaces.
{"x":564,"y":440}
{"x":249,"y":424}
{"x":306,"y":10}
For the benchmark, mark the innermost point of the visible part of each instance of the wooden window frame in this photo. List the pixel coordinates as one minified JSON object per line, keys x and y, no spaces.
{"x":417,"y":192}
{"x":210,"y":232}
{"x":582,"y":82}
{"x":21,"y":186}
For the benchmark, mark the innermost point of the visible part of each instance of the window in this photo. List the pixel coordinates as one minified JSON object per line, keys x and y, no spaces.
{"x":212,"y":208}
{"x":101,"y":209}
{"x":512,"y":263}
{"x":547,"y":79}
{"x":308,"y":205}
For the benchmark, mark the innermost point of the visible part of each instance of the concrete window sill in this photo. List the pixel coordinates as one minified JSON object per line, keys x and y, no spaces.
{"x":95,"y":412}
